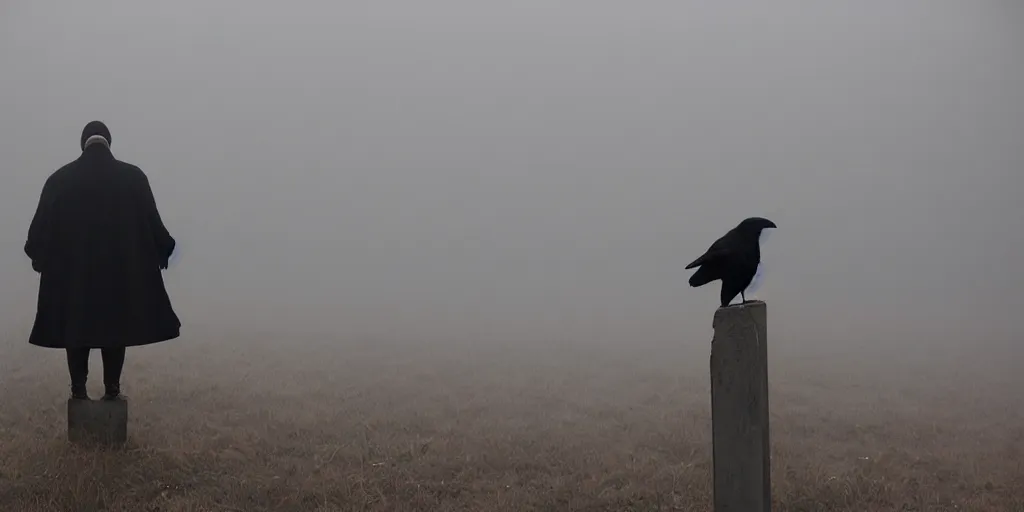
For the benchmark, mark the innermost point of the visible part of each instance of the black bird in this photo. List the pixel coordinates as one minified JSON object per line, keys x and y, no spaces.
{"x":734,"y":259}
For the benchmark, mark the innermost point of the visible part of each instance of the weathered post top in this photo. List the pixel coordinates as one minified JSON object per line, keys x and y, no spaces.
{"x":739,"y":409}
{"x":98,"y":421}
{"x":740,"y":316}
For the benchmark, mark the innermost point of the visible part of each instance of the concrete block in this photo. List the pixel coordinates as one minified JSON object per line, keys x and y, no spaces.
{"x":739,"y":409}
{"x":98,"y":421}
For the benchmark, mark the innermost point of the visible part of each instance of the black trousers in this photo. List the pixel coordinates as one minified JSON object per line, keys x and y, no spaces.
{"x":78,"y":366}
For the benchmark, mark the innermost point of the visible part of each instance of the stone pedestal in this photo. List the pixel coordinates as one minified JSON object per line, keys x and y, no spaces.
{"x":98,"y":421}
{"x":739,"y":409}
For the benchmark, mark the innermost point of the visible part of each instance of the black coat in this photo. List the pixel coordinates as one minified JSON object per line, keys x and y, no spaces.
{"x":99,"y":244}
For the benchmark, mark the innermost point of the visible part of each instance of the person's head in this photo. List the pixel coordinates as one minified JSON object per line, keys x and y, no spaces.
{"x":95,"y":133}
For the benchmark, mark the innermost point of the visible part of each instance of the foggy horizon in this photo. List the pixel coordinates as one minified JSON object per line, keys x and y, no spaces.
{"x":539,"y":172}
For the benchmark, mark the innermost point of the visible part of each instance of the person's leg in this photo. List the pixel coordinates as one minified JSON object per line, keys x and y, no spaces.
{"x":78,"y":367}
{"x":113,"y":363}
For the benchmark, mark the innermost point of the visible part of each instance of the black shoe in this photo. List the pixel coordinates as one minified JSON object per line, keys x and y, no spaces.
{"x":79,"y":393}
{"x":113,"y":392}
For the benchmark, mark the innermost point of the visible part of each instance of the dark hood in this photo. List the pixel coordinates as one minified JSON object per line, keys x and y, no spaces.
{"x":94,"y":128}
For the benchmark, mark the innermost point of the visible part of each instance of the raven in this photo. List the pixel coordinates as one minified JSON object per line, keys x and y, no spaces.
{"x":735,"y":259}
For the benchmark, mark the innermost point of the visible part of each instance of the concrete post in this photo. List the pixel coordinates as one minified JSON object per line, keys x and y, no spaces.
{"x":739,"y":409}
{"x":98,"y":421}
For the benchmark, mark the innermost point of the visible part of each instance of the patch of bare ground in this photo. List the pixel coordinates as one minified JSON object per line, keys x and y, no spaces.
{"x":233,"y":423}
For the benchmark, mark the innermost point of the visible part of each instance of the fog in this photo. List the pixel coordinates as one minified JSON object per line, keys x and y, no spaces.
{"x":536,"y":171}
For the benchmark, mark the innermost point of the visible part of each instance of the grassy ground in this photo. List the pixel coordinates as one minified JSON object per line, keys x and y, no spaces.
{"x":277,"y":423}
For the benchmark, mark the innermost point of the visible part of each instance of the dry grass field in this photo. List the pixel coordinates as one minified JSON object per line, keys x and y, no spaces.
{"x":273,"y":422}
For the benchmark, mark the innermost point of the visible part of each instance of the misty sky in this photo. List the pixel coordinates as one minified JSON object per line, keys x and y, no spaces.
{"x":539,"y":170}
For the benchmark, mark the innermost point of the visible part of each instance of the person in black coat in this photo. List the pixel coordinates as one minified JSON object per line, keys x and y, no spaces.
{"x":99,"y":245}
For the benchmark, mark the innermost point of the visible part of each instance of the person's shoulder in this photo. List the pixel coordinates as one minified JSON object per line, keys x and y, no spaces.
{"x":61,"y":172}
{"x":131,"y":170}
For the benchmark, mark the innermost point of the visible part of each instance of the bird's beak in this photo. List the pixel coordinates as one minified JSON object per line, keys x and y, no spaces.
{"x":771,"y":224}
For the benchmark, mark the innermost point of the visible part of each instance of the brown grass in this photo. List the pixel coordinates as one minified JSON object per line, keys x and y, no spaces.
{"x":278,"y":423}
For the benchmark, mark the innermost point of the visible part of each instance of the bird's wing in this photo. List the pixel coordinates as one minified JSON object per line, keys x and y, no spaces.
{"x":716,"y":251}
